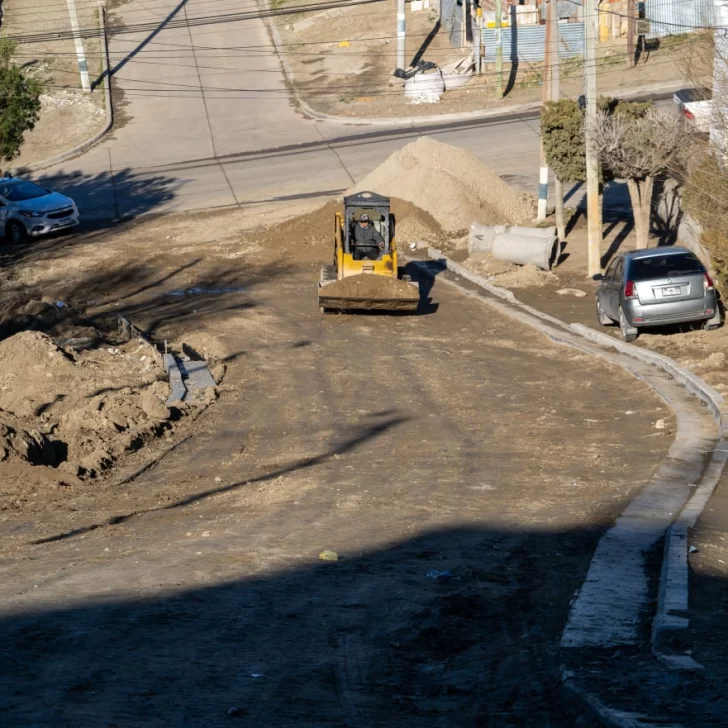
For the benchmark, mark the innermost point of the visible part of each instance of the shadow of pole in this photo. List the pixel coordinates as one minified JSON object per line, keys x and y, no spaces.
{"x":369,"y":433}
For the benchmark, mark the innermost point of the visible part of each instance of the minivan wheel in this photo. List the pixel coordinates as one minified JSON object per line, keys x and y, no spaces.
{"x":602,"y":317}
{"x":628,"y":332}
{"x":15,"y":232}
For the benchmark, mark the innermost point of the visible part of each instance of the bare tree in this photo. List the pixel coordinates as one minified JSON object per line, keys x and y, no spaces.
{"x":638,"y":149}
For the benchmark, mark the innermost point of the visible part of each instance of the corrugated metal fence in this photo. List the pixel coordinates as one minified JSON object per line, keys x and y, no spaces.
{"x":672,"y":17}
{"x":525,"y":43}
{"x":453,"y":17}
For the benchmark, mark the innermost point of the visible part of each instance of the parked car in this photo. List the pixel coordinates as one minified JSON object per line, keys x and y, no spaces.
{"x":29,"y":211}
{"x":656,"y":287}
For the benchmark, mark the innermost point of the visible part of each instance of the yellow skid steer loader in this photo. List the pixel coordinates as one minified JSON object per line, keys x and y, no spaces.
{"x":369,"y":284}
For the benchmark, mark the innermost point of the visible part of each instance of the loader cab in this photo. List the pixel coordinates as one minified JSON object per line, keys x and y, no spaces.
{"x":380,"y":217}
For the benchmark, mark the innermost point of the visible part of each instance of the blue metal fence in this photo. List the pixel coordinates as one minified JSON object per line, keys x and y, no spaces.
{"x":672,"y":17}
{"x":525,"y":43}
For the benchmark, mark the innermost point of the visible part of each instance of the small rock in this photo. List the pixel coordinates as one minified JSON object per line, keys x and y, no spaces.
{"x":153,"y":407}
{"x":660,"y":425}
{"x":218,"y":479}
{"x":693,"y":550}
{"x":571,"y":292}
{"x":233,"y":711}
{"x":328,"y":555}
{"x":436,"y":575}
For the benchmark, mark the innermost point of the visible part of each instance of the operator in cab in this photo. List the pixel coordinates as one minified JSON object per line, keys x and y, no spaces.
{"x":368,"y":242}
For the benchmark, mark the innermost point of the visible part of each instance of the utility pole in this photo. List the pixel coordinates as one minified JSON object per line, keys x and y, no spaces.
{"x":401,"y":35}
{"x":499,"y":48}
{"x":80,"y":52}
{"x":593,"y":213}
{"x":543,"y":170}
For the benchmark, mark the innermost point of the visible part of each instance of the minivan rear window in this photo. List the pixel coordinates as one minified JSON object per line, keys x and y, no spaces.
{"x":664,"y":266}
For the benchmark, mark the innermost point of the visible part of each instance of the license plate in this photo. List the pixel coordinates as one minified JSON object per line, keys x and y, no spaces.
{"x":674,"y":291}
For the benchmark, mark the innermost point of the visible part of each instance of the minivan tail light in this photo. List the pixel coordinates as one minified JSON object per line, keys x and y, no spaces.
{"x":707,"y":282}
{"x":629,"y":290}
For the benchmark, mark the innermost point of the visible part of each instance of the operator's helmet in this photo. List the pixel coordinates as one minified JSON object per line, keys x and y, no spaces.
{"x":364,"y":218}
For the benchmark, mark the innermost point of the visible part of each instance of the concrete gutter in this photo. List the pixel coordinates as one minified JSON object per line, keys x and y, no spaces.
{"x":656,"y":92}
{"x":178,"y":391}
{"x":653,"y":511}
{"x":108,"y":109}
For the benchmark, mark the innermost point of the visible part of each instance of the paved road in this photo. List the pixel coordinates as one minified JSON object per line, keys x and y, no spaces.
{"x":184,"y":141}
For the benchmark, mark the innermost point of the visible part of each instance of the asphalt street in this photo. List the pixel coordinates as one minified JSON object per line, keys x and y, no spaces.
{"x":204,"y":119}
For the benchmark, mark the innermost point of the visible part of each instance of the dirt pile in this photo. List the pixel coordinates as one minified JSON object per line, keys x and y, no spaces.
{"x":450,"y":184}
{"x":76,"y":412}
{"x":309,"y":238}
{"x":368,"y":286}
{"x":509,"y":275}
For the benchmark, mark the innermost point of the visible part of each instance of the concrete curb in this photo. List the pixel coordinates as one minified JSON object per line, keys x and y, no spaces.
{"x":599,"y":711}
{"x":657,"y":90}
{"x":671,"y":621}
{"x":108,"y":107}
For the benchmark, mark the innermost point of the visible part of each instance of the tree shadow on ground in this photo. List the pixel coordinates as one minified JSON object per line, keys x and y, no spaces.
{"x":97,"y":197}
{"x":383,"y":422}
{"x":452,"y":627}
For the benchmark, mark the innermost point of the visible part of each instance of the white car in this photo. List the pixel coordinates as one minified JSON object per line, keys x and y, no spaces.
{"x":29,"y":211}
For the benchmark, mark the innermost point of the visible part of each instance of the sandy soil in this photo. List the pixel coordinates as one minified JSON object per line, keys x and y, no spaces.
{"x":451,"y":184}
{"x":342,"y":63}
{"x":68,"y":115}
{"x":441,"y":455}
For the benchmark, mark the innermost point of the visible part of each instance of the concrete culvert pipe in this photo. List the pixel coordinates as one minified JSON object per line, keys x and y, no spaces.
{"x":524,"y":249}
{"x":514,"y":243}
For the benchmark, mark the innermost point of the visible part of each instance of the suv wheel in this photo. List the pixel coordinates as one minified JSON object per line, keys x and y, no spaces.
{"x":16,"y":233}
{"x":629,"y":333}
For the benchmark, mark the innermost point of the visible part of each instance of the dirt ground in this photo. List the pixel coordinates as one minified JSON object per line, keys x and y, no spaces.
{"x":68,"y":115}
{"x":342,"y":62}
{"x":442,"y":456}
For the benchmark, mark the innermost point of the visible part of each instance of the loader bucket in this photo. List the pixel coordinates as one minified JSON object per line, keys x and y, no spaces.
{"x":369,"y":292}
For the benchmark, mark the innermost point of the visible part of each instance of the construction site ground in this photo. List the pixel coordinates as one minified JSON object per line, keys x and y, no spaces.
{"x":341,"y":61}
{"x":68,"y":115}
{"x":461,"y":466}
{"x":631,"y":680}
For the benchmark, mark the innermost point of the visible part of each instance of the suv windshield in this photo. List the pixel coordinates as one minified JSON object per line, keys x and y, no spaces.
{"x":19,"y":191}
{"x":664,"y":266}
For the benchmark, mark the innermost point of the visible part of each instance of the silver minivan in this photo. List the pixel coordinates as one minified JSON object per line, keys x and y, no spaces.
{"x":656,"y":287}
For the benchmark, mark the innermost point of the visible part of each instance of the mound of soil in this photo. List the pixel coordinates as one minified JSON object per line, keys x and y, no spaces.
{"x":450,"y":184}
{"x":75,"y":413}
{"x":369,"y":286}
{"x":309,"y":238}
